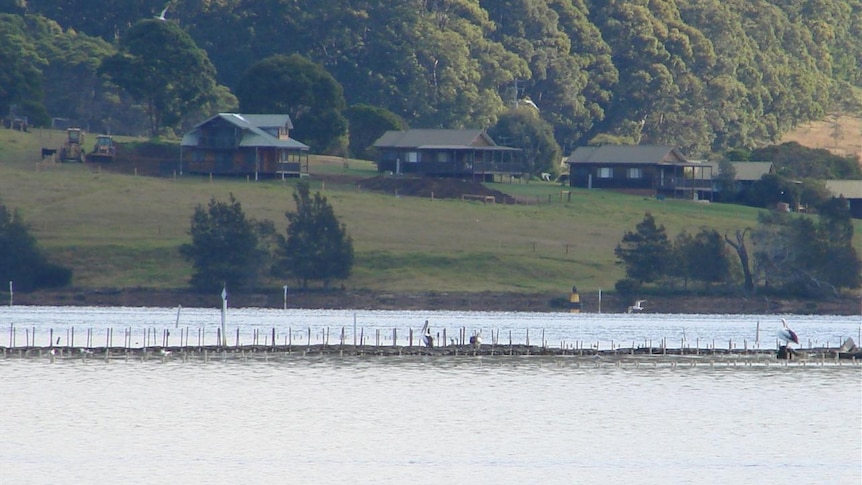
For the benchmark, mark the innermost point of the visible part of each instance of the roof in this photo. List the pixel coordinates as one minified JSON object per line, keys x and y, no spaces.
{"x":253,"y":135}
{"x":751,"y":171}
{"x":746,"y":171}
{"x":434,"y":138}
{"x":269,"y":120}
{"x":849,"y":189}
{"x":626,"y":154}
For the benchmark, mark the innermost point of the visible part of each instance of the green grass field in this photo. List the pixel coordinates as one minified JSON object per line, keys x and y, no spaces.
{"x":118,"y":230}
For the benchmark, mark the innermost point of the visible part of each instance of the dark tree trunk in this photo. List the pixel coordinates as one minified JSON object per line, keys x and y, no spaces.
{"x":739,"y":246}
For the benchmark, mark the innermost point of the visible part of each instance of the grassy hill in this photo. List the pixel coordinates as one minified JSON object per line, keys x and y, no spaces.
{"x":122,"y":230}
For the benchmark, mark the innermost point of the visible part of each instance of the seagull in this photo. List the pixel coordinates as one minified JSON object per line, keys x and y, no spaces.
{"x":162,"y":15}
{"x":786,"y":335}
{"x":638,"y":306}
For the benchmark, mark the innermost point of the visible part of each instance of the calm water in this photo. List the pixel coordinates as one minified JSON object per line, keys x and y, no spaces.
{"x":421,"y":420}
{"x":146,"y":326}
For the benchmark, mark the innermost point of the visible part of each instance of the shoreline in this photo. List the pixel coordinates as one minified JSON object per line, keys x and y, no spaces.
{"x":432,"y":301}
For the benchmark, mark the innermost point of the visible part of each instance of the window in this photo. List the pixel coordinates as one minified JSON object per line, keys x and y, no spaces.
{"x":635,"y":173}
{"x":606,"y":173}
{"x":443,"y":157}
{"x":412,"y":157}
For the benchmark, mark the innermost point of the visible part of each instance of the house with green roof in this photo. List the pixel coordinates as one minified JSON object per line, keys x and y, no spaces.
{"x":257,"y":145}
{"x":468,"y":153}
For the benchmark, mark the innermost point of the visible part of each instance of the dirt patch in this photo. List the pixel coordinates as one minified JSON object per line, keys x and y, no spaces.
{"x":838,"y":134}
{"x":438,"y":188}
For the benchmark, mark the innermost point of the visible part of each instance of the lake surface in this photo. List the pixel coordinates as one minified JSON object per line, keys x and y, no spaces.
{"x":146,"y":327}
{"x":381,"y":420}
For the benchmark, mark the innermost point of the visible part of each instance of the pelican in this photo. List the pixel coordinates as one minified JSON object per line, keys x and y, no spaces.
{"x":429,"y":340}
{"x":161,"y":16}
{"x":638,"y":306}
{"x":786,"y":335}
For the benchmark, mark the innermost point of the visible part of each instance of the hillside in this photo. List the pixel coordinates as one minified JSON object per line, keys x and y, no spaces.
{"x":120,"y":231}
{"x":840,"y":134}
{"x":707,"y":76}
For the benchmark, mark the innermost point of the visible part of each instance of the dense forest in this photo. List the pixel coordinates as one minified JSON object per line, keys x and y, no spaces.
{"x":706,"y":75}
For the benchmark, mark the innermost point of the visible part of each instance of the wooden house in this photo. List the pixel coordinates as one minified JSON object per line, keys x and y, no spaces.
{"x":661,"y":169}
{"x":257,"y":145}
{"x":447,"y":153}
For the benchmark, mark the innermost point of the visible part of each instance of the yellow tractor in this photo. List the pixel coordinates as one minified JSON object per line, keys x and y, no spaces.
{"x":73,"y":150}
{"x":103,"y":150}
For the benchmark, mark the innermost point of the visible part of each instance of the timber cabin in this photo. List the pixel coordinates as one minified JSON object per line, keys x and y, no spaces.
{"x":661,"y":169}
{"x":257,"y":145}
{"x":447,"y":153}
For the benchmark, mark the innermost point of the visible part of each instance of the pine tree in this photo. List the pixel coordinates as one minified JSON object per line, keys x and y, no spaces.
{"x":647,"y":252}
{"x":226,"y":247}
{"x":317,"y":246}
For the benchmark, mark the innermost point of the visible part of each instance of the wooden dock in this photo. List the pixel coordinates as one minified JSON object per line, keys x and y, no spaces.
{"x":617,"y":356}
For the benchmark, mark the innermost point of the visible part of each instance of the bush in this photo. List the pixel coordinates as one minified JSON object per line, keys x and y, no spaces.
{"x":628,"y":287}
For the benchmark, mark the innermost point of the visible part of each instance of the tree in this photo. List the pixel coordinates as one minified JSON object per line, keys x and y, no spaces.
{"x":317,"y":247}
{"x":522,"y":128}
{"x":21,"y":261}
{"x":702,"y":257}
{"x":21,"y":91}
{"x":645,"y":253}
{"x":367,"y":124}
{"x":797,"y":255}
{"x":160,"y":66}
{"x":302,"y":89}
{"x":744,"y":261}
{"x":726,"y":181}
{"x":227,"y":248}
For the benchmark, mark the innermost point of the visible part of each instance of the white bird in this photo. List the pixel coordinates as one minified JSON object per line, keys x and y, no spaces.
{"x":638,"y":306}
{"x":426,"y":330}
{"x":787,"y":335}
{"x":161,"y":16}
{"x":529,"y":102}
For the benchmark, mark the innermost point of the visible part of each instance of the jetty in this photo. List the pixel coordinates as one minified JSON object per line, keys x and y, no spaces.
{"x":187,"y":344}
{"x":264,"y":353}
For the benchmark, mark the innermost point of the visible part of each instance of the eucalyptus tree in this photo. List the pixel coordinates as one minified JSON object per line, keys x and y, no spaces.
{"x":108,"y":19}
{"x":701,"y":257}
{"x":523,"y":128}
{"x":302,"y":89}
{"x":159,"y":65}
{"x":367,"y":124}
{"x":797,"y":255}
{"x":571,"y":72}
{"x":20,"y":77}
